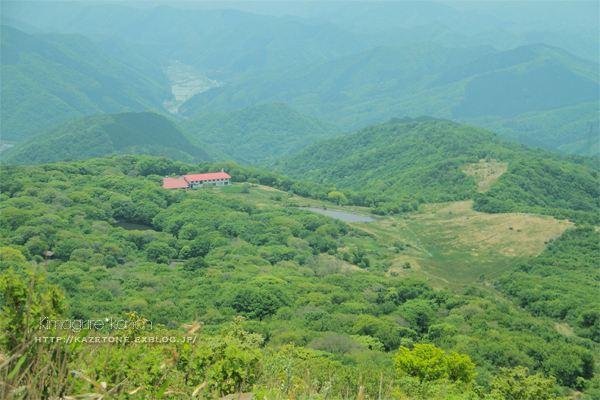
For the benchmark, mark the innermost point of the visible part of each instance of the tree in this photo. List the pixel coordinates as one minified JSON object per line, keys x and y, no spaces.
{"x":109,"y":261}
{"x":157,"y":249}
{"x":145,"y":210}
{"x":442,"y":331}
{"x":384,"y":330}
{"x":64,"y":249}
{"x":255,"y":303}
{"x":515,"y":384}
{"x":185,"y":252}
{"x":194,"y":264}
{"x":25,"y":304}
{"x":427,"y":363}
{"x":338,"y":197}
{"x":10,"y":254}
{"x":419,"y":313}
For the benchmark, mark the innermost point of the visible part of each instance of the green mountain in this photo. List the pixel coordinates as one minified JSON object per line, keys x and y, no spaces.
{"x":570,"y":26}
{"x":359,"y":64}
{"x":499,"y":90}
{"x":566,"y":129}
{"x":384,"y":164}
{"x":48,"y":79}
{"x":259,"y":133}
{"x":352,"y":87}
{"x":578,"y":41}
{"x":101,"y":135}
{"x":230,"y":43}
{"x":226,"y":42}
{"x":138,"y":56}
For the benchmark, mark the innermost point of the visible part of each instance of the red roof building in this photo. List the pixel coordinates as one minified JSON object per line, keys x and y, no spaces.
{"x":197,"y":180}
{"x":175,"y":183}
{"x":206,"y":177}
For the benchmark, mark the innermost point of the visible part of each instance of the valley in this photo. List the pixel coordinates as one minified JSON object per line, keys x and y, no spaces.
{"x":185,"y":82}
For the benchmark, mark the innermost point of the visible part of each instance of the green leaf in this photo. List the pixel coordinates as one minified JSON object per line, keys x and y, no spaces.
{"x":163,"y":388}
{"x":17,"y":367}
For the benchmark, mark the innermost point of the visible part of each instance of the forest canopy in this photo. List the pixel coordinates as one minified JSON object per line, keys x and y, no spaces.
{"x":296,"y":276}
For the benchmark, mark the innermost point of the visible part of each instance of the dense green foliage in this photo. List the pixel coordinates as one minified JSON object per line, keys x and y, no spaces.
{"x":562,"y":283}
{"x":51,"y":78}
{"x":517,"y":384}
{"x":424,"y":162}
{"x":427,"y":363}
{"x":259,"y":133}
{"x":126,"y":364}
{"x":292,"y":273}
{"x":102,"y":135}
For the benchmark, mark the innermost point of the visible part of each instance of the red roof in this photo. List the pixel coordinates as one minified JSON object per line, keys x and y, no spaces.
{"x":174,"y":183}
{"x":206,"y":177}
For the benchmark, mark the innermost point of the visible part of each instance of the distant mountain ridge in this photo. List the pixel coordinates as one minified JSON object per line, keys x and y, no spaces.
{"x":259,"y":133}
{"x":47,"y":79}
{"x":102,"y":135}
{"x":482,"y":87}
{"x":352,"y":63}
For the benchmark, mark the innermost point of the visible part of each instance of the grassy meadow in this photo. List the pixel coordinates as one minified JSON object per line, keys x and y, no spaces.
{"x":450,"y":244}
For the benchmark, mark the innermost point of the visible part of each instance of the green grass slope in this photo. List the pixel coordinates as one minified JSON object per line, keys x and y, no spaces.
{"x":259,"y":133}
{"x":101,"y":135}
{"x":48,"y":79}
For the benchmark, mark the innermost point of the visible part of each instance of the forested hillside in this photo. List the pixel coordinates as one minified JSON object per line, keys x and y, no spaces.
{"x":536,"y":84}
{"x":259,"y":133}
{"x":426,"y":161}
{"x":358,"y":88}
{"x":512,"y":91}
{"x":303,"y":281}
{"x":562,"y":283}
{"x":101,"y":135}
{"x":47,"y":79}
{"x":546,"y":187}
{"x":501,"y":39}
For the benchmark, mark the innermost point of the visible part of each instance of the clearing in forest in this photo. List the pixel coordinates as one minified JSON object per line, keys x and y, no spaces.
{"x":485,"y":173}
{"x":453,"y":244}
{"x":448,"y":243}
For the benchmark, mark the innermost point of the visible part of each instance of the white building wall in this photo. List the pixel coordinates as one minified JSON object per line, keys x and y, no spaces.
{"x":215,"y":182}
